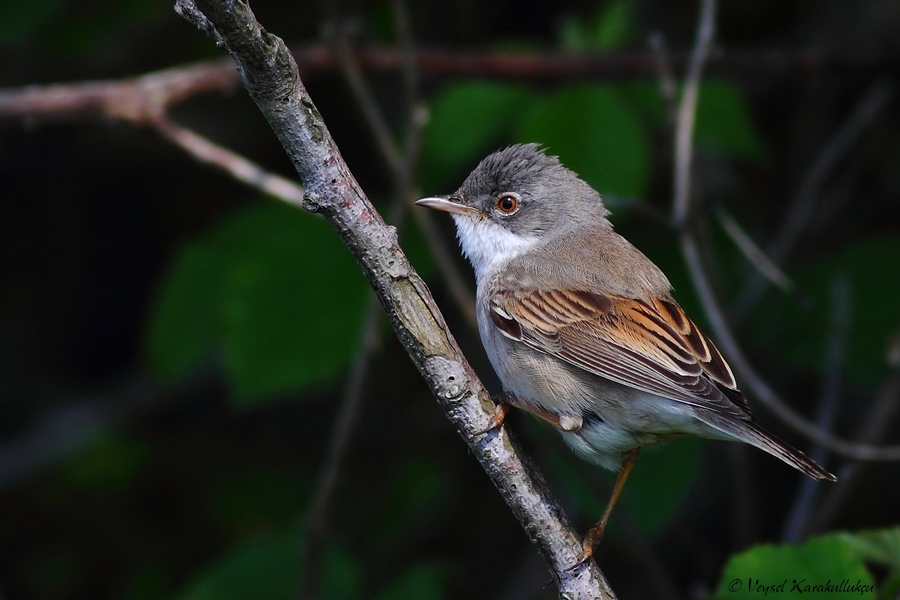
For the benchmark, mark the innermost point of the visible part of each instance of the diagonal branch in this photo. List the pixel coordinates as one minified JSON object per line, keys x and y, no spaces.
{"x":272,"y":79}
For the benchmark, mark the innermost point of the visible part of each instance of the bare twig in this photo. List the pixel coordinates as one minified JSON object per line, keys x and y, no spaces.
{"x":135,"y":100}
{"x":237,"y":166}
{"x":110,"y":97}
{"x":724,"y":336}
{"x":457,"y":283}
{"x":352,"y":72}
{"x":687,"y":110}
{"x":803,"y":203}
{"x":753,"y":253}
{"x":668,"y":89}
{"x":877,"y":422}
{"x":835,"y":357}
{"x":460,"y":290}
{"x":727,"y":342}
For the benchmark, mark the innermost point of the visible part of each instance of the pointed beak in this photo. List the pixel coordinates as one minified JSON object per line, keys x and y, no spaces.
{"x":450,"y":204}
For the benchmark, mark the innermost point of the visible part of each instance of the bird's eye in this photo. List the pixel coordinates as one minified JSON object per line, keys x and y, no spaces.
{"x":507,"y":203}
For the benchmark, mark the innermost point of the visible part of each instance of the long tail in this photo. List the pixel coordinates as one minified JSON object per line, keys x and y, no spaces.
{"x":753,"y":434}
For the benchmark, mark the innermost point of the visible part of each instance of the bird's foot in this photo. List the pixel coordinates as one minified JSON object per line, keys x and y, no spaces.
{"x":502,"y":403}
{"x":587,"y":551}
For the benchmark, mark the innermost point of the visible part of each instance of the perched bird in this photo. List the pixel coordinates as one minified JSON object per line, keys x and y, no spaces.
{"x":581,"y":327}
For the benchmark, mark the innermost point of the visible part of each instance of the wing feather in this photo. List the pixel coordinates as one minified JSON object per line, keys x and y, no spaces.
{"x":648,"y":345}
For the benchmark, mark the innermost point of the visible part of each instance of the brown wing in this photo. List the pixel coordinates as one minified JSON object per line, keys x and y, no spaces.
{"x":652,"y":346}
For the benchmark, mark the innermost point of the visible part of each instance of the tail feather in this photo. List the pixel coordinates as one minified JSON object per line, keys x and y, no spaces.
{"x":753,"y":434}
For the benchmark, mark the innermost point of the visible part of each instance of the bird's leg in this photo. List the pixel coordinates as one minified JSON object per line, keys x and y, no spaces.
{"x":594,"y":536}
{"x":506,"y":400}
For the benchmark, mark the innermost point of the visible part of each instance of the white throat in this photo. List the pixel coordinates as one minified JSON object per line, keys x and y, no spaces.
{"x":488,"y":245}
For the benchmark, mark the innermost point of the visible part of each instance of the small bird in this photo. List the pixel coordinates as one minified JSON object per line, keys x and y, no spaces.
{"x":581,"y":327}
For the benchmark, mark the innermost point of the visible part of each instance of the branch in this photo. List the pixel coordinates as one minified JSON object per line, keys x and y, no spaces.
{"x":272,"y":79}
{"x":875,"y":425}
{"x":725,"y":338}
{"x":804,"y":202}
{"x":687,"y":110}
{"x":235,"y":165}
{"x":178,"y":83}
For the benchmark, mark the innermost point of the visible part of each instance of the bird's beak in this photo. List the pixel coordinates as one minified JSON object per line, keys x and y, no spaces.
{"x":450,"y":204}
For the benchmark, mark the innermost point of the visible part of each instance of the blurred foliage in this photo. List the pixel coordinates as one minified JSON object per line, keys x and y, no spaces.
{"x":271,"y":292}
{"x":794,"y":330}
{"x":468,"y":120}
{"x":612,"y":27}
{"x":656,"y":491}
{"x":110,"y":462}
{"x":207,"y":499}
{"x":594,"y":133}
{"x":600,"y":131}
{"x":20,"y":20}
{"x":830,"y":559}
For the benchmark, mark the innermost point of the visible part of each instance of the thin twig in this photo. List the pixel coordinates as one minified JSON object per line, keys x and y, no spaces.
{"x":753,"y":253}
{"x":668,"y":89}
{"x":456,"y":282}
{"x":835,"y":357}
{"x":90,"y":97}
{"x":136,"y":100}
{"x":687,"y":110}
{"x":876,"y":424}
{"x":728,"y":344}
{"x":237,"y":166}
{"x":803,"y":204}
{"x":352,"y":72}
{"x":714,"y":312}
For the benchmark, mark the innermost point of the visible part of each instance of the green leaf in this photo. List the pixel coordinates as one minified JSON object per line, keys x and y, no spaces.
{"x":876,"y":545}
{"x":614,"y":25}
{"x":185,"y":323}
{"x":724,"y":123}
{"x":467,"y":121}
{"x":799,"y":334}
{"x":270,"y":290}
{"x":421,"y":582}
{"x":818,"y":562}
{"x":596,"y":134}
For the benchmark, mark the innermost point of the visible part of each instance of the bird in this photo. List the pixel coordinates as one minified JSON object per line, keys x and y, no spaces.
{"x":582,"y":329}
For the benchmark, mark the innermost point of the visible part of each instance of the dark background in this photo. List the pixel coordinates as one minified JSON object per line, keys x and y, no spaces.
{"x":173,"y":346}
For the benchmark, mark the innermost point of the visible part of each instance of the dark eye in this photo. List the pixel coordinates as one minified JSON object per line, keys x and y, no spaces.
{"x":507,"y":203}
